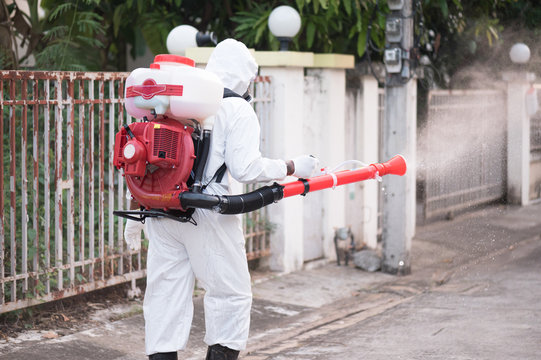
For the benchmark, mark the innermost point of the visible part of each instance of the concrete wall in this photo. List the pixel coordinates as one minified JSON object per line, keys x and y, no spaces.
{"x":362,"y":143}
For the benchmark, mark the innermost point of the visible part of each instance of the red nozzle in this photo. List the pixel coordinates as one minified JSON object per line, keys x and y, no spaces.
{"x":395,"y":166}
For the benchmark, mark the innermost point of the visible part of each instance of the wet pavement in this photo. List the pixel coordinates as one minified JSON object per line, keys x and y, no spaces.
{"x":473,"y":294}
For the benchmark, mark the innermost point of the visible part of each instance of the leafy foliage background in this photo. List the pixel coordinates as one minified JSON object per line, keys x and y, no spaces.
{"x":100,"y":35}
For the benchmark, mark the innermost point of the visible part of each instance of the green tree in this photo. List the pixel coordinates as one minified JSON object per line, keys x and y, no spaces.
{"x":97,"y":34}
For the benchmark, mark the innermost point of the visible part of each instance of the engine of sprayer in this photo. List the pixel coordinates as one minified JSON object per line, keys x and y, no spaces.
{"x":173,"y":99}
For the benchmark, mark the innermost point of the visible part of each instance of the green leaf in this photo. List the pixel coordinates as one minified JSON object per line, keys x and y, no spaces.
{"x":90,"y":25}
{"x":352,"y":32}
{"x":347,"y":6}
{"x":117,"y":19}
{"x":260,"y":29}
{"x":90,"y":41}
{"x":61,"y":9}
{"x":310,"y":33}
{"x":56,"y":32}
{"x":361,"y":43}
{"x":324,"y":4}
{"x":316,"y":6}
{"x":444,"y":8}
{"x":300,"y":5}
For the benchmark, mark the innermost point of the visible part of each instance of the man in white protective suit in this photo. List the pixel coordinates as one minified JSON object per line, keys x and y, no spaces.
{"x":214,"y":250}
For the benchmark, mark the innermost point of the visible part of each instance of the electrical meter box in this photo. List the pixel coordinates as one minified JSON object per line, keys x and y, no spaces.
{"x":393,"y":60}
{"x":393,"y":29}
{"x":395,"y":4}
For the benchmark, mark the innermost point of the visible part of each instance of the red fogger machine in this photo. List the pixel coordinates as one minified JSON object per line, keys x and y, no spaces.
{"x":163,"y":158}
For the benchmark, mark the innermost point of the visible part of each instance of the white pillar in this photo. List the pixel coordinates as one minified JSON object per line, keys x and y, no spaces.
{"x":286,"y":141}
{"x":518,"y":137}
{"x":368,"y":133}
{"x":332,"y":149}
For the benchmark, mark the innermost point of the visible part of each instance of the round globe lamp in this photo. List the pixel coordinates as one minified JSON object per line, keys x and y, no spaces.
{"x":284,"y":23}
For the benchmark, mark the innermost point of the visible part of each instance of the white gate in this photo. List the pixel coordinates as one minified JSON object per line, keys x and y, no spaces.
{"x":462,"y":150}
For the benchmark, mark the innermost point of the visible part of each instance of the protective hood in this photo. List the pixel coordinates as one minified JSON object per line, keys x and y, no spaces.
{"x":232,"y":62}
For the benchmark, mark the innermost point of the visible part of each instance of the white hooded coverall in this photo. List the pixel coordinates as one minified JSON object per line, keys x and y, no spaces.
{"x":213,"y":251}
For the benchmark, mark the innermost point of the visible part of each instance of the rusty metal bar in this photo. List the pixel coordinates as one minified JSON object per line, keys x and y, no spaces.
{"x":81,"y":174}
{"x":91,"y":144}
{"x":101,"y":185}
{"x":35,"y":182}
{"x":120,"y":189}
{"x":2,"y":231}
{"x":91,"y":233}
{"x":47,"y":183}
{"x":12,"y":186}
{"x":24,"y":186}
{"x":110,"y":169}
{"x":58,"y":234}
{"x":71,"y":175}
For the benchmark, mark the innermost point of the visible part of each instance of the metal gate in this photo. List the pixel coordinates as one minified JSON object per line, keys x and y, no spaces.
{"x":58,"y":187}
{"x":535,"y":151}
{"x":58,"y":236}
{"x":462,"y":149}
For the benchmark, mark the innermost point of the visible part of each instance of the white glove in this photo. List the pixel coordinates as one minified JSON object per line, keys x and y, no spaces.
{"x":132,"y":234}
{"x":305,"y":166}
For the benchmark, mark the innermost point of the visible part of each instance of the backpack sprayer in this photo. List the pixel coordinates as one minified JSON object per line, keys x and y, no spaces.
{"x":164,"y":156}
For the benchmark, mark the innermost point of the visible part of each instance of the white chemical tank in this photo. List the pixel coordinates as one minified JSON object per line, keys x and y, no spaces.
{"x":173,"y":87}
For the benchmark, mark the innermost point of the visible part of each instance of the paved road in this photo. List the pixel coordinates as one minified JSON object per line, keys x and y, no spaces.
{"x":491,"y":310}
{"x":474,"y":293}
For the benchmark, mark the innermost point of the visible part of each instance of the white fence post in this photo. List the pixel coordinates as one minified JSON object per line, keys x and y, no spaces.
{"x":330,"y":71}
{"x":285,"y":142}
{"x":518,"y":137}
{"x":368,"y":133}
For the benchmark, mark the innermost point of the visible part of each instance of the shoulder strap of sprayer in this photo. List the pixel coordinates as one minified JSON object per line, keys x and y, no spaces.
{"x":230,"y":93}
{"x":219,"y":174}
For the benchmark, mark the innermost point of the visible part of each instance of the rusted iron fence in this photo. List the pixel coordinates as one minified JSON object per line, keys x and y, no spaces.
{"x":58,"y":187}
{"x":59,"y":236}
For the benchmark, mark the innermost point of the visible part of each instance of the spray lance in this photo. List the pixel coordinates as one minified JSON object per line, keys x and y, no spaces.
{"x":163,"y":158}
{"x":238,"y":204}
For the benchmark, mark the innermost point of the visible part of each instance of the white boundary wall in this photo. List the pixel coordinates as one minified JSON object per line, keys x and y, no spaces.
{"x":308,"y":116}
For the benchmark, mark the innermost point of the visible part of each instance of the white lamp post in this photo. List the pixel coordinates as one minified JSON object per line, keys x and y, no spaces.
{"x":284,"y":23}
{"x":519,"y":53}
{"x":183,"y":37}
